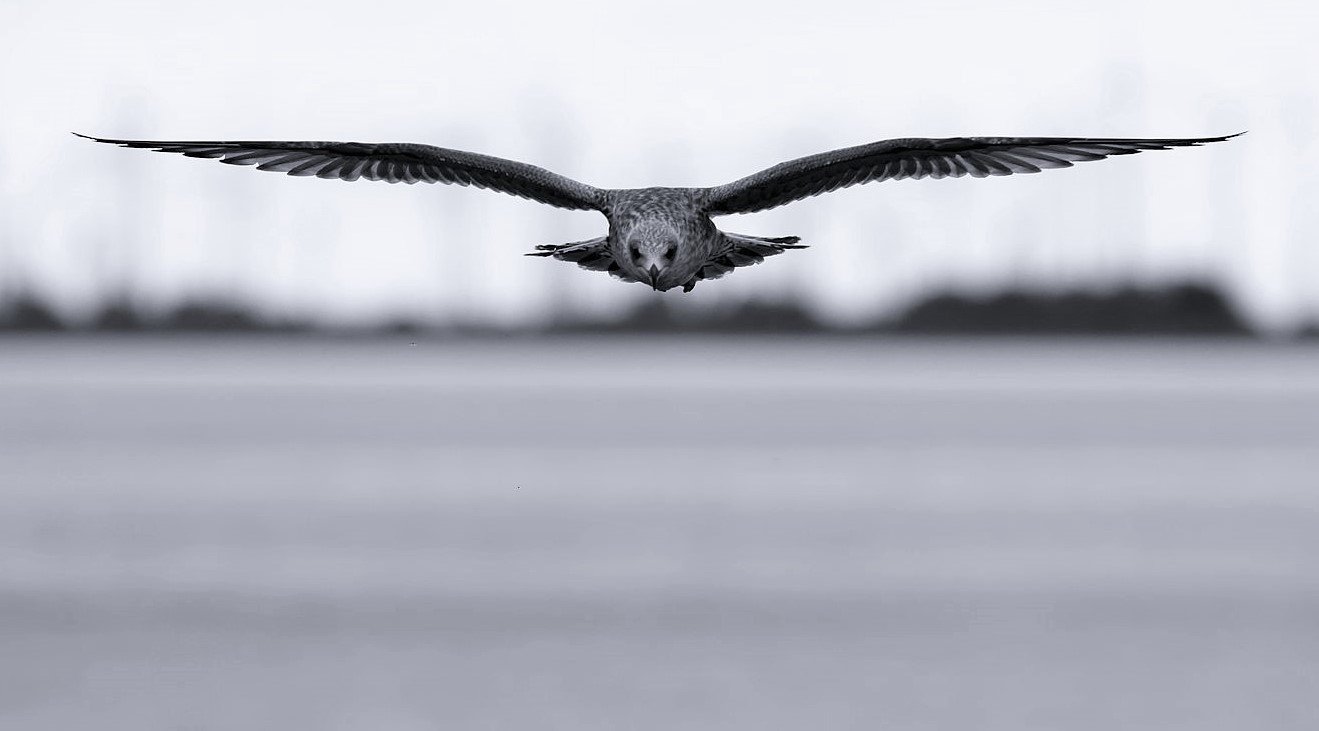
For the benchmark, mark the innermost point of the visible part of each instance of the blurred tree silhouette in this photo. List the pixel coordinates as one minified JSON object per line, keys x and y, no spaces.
{"x":212,"y":317}
{"x":1178,"y":309}
{"x":1191,"y":309}
{"x":118,"y":315}
{"x":27,"y":313}
{"x":753,"y":316}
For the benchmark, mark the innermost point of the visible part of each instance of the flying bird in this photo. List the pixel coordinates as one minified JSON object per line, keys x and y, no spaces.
{"x":665,"y":237}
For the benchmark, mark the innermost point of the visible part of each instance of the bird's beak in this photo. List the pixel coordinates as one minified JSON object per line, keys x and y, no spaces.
{"x":654,"y":273}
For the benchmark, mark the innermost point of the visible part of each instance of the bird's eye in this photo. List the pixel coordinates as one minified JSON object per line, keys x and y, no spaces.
{"x":670,"y":252}
{"x":636,"y":253}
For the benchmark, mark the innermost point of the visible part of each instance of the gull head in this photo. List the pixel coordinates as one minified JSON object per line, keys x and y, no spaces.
{"x":653,"y":251}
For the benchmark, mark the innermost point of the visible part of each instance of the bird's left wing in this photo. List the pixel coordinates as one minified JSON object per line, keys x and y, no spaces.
{"x":392,"y":163}
{"x":919,"y":158}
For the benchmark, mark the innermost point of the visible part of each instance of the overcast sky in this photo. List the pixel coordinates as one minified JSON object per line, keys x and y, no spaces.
{"x":629,"y":95}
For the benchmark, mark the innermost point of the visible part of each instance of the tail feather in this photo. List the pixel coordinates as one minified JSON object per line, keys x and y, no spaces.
{"x":786,"y":242}
{"x":591,"y":254}
{"x":577,"y":249}
{"x":742,"y":250}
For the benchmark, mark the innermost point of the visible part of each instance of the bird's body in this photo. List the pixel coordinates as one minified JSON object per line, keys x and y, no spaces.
{"x":663,"y":237}
{"x":661,"y":232}
{"x":666,"y":237}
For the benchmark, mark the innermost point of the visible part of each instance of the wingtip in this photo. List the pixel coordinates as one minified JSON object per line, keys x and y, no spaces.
{"x":1210,"y":140}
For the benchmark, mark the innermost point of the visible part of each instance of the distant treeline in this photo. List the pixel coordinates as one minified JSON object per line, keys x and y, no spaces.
{"x":1177,"y":309}
{"x":31,"y":314}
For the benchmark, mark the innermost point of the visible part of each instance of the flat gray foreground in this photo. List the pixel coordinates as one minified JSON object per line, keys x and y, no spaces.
{"x":658,"y":534}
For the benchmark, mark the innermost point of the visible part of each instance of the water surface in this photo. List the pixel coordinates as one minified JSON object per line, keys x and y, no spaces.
{"x":658,"y":533}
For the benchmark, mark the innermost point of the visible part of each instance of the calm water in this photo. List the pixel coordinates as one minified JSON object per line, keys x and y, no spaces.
{"x":658,"y":534}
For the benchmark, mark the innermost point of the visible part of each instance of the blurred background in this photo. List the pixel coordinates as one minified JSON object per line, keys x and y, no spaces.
{"x":1035,"y":452}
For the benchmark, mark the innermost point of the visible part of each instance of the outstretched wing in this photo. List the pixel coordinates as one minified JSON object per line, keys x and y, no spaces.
{"x":392,"y":163}
{"x":919,"y":158}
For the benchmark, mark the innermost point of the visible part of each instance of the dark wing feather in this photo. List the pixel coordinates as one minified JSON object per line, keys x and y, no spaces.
{"x":593,"y":254}
{"x":919,"y":158}
{"x":392,"y":163}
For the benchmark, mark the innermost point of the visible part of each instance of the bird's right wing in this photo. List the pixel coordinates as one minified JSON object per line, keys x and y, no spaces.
{"x":919,"y":158}
{"x":392,"y":163}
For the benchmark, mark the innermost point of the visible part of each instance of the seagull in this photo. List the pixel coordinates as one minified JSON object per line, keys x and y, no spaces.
{"x":665,"y":237}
